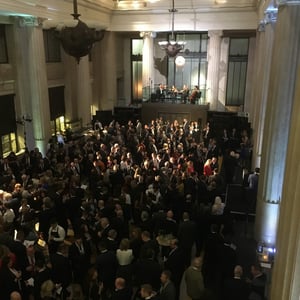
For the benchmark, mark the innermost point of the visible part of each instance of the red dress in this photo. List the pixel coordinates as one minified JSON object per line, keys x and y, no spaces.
{"x":207,"y":171}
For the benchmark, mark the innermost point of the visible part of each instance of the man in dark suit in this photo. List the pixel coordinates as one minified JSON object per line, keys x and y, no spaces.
{"x":186,"y":127}
{"x":167,"y":290}
{"x":186,"y":237}
{"x":105,"y":227}
{"x":79,"y":255}
{"x":236,"y":288}
{"x":148,"y":243}
{"x":42,"y":274}
{"x":170,"y":225}
{"x":61,"y":268}
{"x":258,"y":283}
{"x":106,"y":263}
{"x":121,"y":292}
{"x":111,"y":241}
{"x":175,"y":263}
{"x":45,"y":217}
{"x":147,"y":270}
{"x":17,"y":247}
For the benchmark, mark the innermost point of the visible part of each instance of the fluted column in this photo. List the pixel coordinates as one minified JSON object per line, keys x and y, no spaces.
{"x":71,"y":86}
{"x":265,"y":39}
{"x":148,"y":68}
{"x":285,"y":61}
{"x":84,"y":91}
{"x":286,"y":272}
{"x":223,"y":68}
{"x":105,"y":70}
{"x":214,"y":50}
{"x":32,"y":84}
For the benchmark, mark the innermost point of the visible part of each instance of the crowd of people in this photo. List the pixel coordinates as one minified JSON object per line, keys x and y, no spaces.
{"x":116,"y":214}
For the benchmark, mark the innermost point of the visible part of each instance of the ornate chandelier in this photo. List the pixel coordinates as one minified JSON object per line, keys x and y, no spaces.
{"x":172,"y":47}
{"x":77,"y":41}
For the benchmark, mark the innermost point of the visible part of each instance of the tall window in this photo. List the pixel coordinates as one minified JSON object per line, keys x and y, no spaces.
{"x":137,"y":69}
{"x":3,"y":46}
{"x":57,"y":109}
{"x":194,"y":71}
{"x":52,"y":47}
{"x":237,"y":71}
{"x":8,"y":125}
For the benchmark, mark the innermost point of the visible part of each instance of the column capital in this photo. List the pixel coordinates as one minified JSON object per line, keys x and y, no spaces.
{"x":270,"y":17}
{"x":215,"y":33}
{"x":28,"y":21}
{"x":150,"y":34}
{"x":287,"y":2}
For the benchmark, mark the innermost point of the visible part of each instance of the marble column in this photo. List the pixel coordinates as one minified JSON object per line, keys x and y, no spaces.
{"x":285,"y":61}
{"x":105,"y":71}
{"x":286,"y":272}
{"x":214,"y":50}
{"x":32,"y":86}
{"x":264,"y":48}
{"x":148,"y":66}
{"x":71,"y":86}
{"x":84,"y":91}
{"x":223,"y":73}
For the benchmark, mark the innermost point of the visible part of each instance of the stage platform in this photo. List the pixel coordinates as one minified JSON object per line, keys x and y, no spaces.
{"x":174,"y":111}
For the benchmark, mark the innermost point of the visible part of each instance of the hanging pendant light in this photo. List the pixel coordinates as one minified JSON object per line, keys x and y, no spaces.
{"x":78,"y":40}
{"x":171,"y":46}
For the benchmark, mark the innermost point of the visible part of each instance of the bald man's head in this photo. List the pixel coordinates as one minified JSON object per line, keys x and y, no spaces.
{"x":15,"y":296}
{"x":120,"y":283}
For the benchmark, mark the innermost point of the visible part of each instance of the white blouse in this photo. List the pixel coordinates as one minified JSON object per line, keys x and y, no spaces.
{"x":124,"y":257}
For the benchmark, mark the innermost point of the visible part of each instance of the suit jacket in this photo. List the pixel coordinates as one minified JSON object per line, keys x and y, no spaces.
{"x":106,"y":263}
{"x":7,"y":283}
{"x":151,"y":244}
{"x":170,"y":227}
{"x":168,"y":292}
{"x":235,"y":289}
{"x":39,"y":279}
{"x":175,"y":263}
{"x":123,"y":294}
{"x":80,"y":261}
{"x":187,"y":234}
{"x":258,"y":287}
{"x":44,"y":220}
{"x":147,"y":271}
{"x":61,"y":269}
{"x":19,"y":250}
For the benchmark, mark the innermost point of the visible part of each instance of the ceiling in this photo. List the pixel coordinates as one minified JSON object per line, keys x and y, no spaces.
{"x":181,"y":5}
{"x":139,"y":15}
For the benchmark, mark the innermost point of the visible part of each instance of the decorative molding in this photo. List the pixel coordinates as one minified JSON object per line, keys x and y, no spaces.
{"x":215,"y":33}
{"x":269,"y":201}
{"x":287,"y":2}
{"x":28,"y":21}
{"x":270,"y":17}
{"x":151,"y":34}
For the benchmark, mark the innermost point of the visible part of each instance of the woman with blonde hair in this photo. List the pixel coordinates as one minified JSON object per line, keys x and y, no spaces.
{"x":207,"y":171}
{"x":125,"y":258}
{"x":48,"y":290}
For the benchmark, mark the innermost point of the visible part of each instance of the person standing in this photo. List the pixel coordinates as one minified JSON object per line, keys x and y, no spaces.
{"x":236,"y":288}
{"x":167,"y":290}
{"x":194,"y":280}
{"x":257,"y":284}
